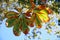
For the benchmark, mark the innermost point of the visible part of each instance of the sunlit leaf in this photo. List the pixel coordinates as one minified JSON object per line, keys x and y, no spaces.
{"x":43,"y":15}
{"x":52,"y":23}
{"x":49,"y":31}
{"x":27,"y":6}
{"x":49,"y":10}
{"x":38,"y":22}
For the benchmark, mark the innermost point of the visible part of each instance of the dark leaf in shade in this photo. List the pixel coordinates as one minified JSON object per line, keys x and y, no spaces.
{"x":10,"y":22}
{"x":11,"y":14}
{"x":16,"y":30}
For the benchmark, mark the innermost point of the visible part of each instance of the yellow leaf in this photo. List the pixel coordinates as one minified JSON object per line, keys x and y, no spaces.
{"x":27,"y":6}
{"x":43,"y":15}
{"x":52,"y":23}
{"x":49,"y":31}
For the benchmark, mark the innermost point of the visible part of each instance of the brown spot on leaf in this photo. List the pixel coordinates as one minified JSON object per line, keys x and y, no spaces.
{"x":16,"y":33}
{"x":26,"y":31}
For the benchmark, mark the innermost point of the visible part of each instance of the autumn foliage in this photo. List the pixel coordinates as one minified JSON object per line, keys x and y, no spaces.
{"x":22,"y":21}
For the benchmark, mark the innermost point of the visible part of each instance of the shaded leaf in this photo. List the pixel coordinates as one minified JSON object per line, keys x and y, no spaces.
{"x":26,"y":31}
{"x":25,"y":28}
{"x":29,"y":37}
{"x":11,"y":14}
{"x":10,"y":22}
{"x":32,"y":20}
{"x":16,"y":30}
{"x":36,"y":11}
{"x":34,"y":35}
{"x":41,"y":7}
{"x":24,"y":25}
{"x":32,"y":4}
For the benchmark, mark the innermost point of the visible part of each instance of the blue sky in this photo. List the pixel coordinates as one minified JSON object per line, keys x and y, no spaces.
{"x":7,"y":34}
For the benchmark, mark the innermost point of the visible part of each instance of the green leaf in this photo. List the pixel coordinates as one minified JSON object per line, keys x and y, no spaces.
{"x":11,"y":14}
{"x":16,"y":30}
{"x":24,"y":25}
{"x":10,"y":22}
{"x":38,"y":21}
{"x":0,"y":12}
{"x":35,"y":1}
{"x":20,"y":1}
{"x":36,"y":11}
